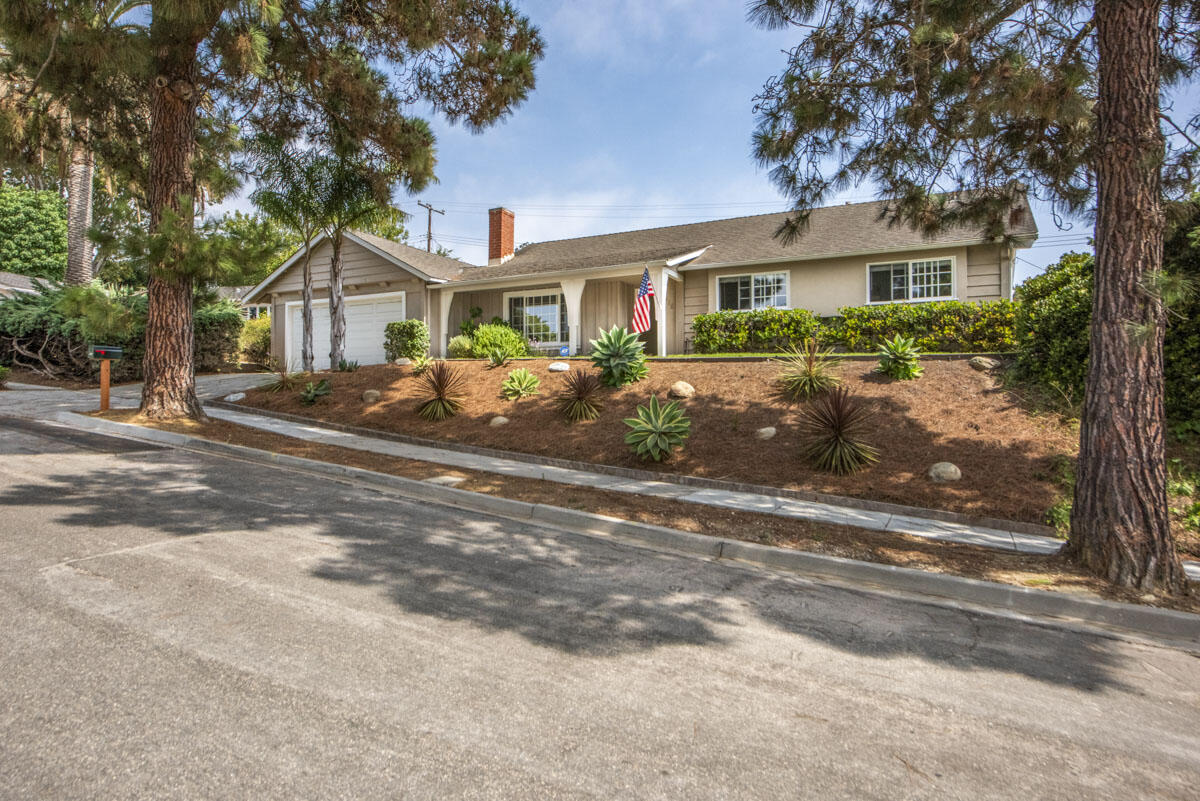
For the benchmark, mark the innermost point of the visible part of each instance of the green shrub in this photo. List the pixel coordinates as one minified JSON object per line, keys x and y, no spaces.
{"x":578,"y":399}
{"x":405,"y":339}
{"x":442,"y":387}
{"x":255,"y":340}
{"x":833,"y":427}
{"x":761,"y":330}
{"x":461,"y":347}
{"x":218,"y":327}
{"x":947,"y":326}
{"x":900,"y":358}
{"x":1054,"y":313}
{"x":311,"y":391}
{"x":520,"y":383}
{"x":806,"y":373}
{"x":489,"y":337}
{"x":621,"y":357}
{"x":657,"y":430}
{"x":4,"y":371}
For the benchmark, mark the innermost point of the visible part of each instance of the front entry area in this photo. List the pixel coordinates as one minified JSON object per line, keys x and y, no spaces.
{"x":366,"y":318}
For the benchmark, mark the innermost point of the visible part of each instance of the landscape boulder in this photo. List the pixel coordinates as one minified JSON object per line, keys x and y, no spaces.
{"x":681,"y":389}
{"x":235,"y":397}
{"x":403,"y":360}
{"x":558,"y":367}
{"x":945,"y":471}
{"x":984,"y":363}
{"x":370,"y":396}
{"x":765,"y":433}
{"x":498,"y":420}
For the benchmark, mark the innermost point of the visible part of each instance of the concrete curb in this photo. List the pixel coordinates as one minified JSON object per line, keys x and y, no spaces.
{"x":860,"y":504}
{"x":1177,"y":627}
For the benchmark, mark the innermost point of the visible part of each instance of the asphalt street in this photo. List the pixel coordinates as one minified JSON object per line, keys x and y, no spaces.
{"x":182,"y":626}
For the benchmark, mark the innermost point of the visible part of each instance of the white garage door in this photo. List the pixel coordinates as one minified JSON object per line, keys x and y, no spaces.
{"x":366,"y":319}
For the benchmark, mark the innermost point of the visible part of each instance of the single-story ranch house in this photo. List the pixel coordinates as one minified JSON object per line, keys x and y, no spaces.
{"x":563,"y":292}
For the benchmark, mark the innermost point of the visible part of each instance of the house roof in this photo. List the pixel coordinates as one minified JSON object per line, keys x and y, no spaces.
{"x":20,"y":283}
{"x":832,"y":231}
{"x":428,"y":266}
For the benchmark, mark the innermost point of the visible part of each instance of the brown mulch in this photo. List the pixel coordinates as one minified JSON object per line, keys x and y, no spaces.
{"x":953,"y":413}
{"x":1040,"y":572}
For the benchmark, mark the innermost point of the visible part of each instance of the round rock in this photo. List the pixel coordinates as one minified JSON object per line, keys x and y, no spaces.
{"x":370,"y":396}
{"x":558,"y":367}
{"x":984,"y":363}
{"x":403,"y":360}
{"x":235,"y":397}
{"x":498,"y":420}
{"x":681,"y":389}
{"x":945,"y":471}
{"x":765,"y":433}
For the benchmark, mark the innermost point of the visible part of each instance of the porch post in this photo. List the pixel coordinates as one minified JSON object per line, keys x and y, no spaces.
{"x":661,"y":287}
{"x":572,"y":292}
{"x":445,"y":297}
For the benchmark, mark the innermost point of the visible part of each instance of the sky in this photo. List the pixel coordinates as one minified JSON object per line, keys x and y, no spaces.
{"x":642,"y":117}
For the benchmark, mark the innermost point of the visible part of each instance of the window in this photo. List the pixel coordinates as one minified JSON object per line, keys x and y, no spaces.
{"x":911,"y":280}
{"x":254,"y":312}
{"x":540,"y":317}
{"x":745,"y":292}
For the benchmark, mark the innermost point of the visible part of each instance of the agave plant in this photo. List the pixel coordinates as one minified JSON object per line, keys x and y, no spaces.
{"x":807,"y":372}
{"x":442,"y":386}
{"x":657,"y":430}
{"x":311,"y":391}
{"x":498,"y":357}
{"x":579,"y":401}
{"x":520,"y":383}
{"x":420,"y":364}
{"x":832,"y":427}
{"x":900,"y":358}
{"x":347,"y":366}
{"x":621,"y":357}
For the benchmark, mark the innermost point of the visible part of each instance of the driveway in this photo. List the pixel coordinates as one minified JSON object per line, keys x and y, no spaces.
{"x":182,"y":626}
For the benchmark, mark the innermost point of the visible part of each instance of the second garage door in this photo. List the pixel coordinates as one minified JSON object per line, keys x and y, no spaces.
{"x":366,"y":319}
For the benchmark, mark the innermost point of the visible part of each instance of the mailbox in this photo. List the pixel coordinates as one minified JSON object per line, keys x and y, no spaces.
{"x":103,"y":352}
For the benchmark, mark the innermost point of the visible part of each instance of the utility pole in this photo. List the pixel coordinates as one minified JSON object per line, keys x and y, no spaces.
{"x":429,"y":223}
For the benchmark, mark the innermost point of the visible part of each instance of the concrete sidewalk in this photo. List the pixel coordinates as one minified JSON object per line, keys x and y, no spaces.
{"x":742,"y":501}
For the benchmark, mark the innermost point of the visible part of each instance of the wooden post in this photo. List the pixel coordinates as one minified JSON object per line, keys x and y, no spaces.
{"x":104,"y":376}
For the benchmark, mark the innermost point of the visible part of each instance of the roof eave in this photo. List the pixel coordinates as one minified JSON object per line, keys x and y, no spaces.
{"x":842,"y":254}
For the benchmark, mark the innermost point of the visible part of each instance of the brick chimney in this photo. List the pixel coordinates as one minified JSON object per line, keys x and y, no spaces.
{"x":500,"y":236}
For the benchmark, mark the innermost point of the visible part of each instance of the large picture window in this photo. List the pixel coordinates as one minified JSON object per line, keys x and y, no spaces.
{"x":540,"y":317}
{"x":746,"y":292}
{"x":930,"y":279}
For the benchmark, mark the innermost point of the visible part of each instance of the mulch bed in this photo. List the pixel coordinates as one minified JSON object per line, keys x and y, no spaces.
{"x":952,"y":413}
{"x":1039,"y":572}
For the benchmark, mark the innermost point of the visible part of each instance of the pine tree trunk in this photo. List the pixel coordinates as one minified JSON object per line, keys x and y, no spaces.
{"x":169,"y":366}
{"x":1119,"y":523}
{"x":79,"y":210}
{"x":337,"y":307}
{"x":306,"y":347}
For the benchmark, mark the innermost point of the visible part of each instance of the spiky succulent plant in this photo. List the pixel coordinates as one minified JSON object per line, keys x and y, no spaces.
{"x":621,"y":357}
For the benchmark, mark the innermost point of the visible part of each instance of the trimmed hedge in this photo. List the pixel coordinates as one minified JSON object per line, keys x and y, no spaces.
{"x":490,"y":336}
{"x":938,"y":326}
{"x":405,"y":339}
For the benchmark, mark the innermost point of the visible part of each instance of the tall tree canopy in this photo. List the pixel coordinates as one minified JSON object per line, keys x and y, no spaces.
{"x":950,"y":109}
{"x":337,"y":73}
{"x":33,"y":232}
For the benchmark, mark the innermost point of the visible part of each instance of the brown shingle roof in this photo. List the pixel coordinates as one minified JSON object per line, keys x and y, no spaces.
{"x":431,"y":264}
{"x":833,"y":230}
{"x":15,"y":281}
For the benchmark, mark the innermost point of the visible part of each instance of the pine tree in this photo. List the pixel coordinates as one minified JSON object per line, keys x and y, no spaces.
{"x":295,"y":69}
{"x":951,"y":109}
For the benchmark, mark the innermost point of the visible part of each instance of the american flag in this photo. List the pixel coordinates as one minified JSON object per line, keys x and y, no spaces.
{"x":641,"y":306}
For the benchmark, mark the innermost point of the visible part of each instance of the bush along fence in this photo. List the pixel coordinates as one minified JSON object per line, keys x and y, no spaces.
{"x":937,"y":326}
{"x":49,"y":331}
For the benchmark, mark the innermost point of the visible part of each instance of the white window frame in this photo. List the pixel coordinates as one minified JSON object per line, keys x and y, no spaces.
{"x":538,"y":293}
{"x":908,"y":267}
{"x":787,"y":289}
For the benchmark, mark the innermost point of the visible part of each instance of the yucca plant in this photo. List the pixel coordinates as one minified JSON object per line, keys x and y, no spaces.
{"x":284,"y":379}
{"x":442,"y":386}
{"x":807,"y":372}
{"x":832,"y":427}
{"x":311,"y":391}
{"x":900,"y":358}
{"x":657,"y":430}
{"x":579,"y":401}
{"x":621,"y":357}
{"x":520,"y":383}
{"x":498,"y":357}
